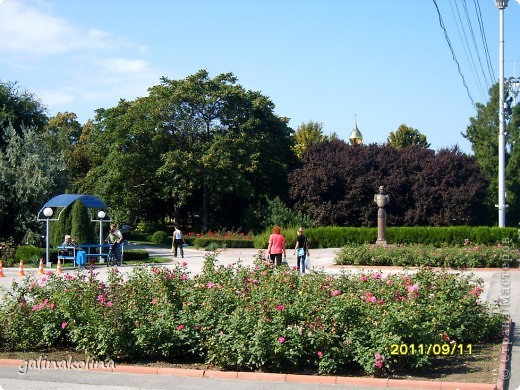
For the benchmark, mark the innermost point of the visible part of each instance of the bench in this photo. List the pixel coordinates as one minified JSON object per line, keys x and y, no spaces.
{"x":88,"y":248}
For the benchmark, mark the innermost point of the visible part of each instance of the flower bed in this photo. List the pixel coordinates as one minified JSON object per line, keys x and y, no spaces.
{"x":254,"y":318}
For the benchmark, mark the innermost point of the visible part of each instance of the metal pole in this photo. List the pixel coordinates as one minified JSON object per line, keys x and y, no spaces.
{"x":501,"y":135}
{"x":100,"y":236}
{"x":47,"y":260}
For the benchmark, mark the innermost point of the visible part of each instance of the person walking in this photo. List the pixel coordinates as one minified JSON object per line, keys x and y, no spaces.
{"x":276,"y":247}
{"x":301,"y":250}
{"x":177,"y":241}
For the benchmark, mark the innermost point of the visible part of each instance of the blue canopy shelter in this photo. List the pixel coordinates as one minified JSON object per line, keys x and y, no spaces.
{"x":63,"y":201}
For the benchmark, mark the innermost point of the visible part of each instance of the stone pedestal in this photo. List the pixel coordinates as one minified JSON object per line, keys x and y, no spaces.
{"x":381,"y":200}
{"x":381,"y":227}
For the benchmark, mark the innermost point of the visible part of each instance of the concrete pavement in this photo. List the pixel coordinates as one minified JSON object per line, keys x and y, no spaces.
{"x":501,"y":284}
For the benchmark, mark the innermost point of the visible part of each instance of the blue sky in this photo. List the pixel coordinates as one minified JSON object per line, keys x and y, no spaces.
{"x":385,"y":61}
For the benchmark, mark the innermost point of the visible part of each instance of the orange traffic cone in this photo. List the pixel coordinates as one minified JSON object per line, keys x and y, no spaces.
{"x":1,"y":270}
{"x":58,"y":267}
{"x":20,"y":269}
{"x":40,"y":269}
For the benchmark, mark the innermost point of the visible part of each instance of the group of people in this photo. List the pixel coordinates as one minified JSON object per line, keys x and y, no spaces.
{"x":115,"y":238}
{"x":276,"y":248}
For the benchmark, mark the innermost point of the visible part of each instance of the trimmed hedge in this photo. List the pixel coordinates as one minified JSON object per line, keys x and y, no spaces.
{"x":337,"y":237}
{"x":429,"y":256}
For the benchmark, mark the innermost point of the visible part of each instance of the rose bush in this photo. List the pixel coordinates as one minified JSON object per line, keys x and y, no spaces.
{"x":251,"y":318}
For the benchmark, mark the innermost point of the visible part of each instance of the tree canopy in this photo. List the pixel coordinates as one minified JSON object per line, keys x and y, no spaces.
{"x":337,"y":182}
{"x":406,"y":137}
{"x":19,"y":108}
{"x":482,"y":132}
{"x":199,"y":149}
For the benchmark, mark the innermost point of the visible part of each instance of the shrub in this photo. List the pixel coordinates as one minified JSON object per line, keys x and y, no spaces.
{"x":136,"y":255}
{"x":251,"y":318}
{"x":160,"y":237}
{"x":7,"y":252}
{"x":468,"y":256}
{"x":26,"y":252}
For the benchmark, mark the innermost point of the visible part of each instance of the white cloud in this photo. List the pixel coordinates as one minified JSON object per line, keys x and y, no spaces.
{"x":29,"y":28}
{"x":70,"y":68}
{"x":123,"y":65}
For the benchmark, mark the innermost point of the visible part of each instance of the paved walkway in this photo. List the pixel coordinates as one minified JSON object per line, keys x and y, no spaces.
{"x":499,"y":284}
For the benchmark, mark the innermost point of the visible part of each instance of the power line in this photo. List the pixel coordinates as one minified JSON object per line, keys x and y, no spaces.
{"x":466,"y":46}
{"x":484,"y":41}
{"x":441,"y":22}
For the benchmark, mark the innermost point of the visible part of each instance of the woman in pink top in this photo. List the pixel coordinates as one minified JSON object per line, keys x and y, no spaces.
{"x":276,"y":246}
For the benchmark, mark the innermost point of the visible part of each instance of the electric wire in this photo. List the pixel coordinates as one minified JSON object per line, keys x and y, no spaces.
{"x":441,"y":22}
{"x":465,"y":45}
{"x":484,"y":41}
{"x":477,"y":51}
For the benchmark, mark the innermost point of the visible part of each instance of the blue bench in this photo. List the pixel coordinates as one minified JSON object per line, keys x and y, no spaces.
{"x":87,"y":248}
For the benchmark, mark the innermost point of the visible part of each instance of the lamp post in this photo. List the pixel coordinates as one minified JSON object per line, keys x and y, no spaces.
{"x":501,"y":5}
{"x":48,"y":213}
{"x":101,"y":214}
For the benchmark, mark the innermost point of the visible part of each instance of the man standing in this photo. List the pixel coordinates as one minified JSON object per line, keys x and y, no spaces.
{"x":115,"y":238}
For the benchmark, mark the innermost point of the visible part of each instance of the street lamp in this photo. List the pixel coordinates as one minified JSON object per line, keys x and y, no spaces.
{"x":101,"y":214}
{"x":47,"y":212}
{"x":501,"y":5}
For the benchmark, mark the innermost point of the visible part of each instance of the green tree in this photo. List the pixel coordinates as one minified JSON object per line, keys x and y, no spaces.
{"x":406,"y":137}
{"x":482,"y":132}
{"x":306,"y":135}
{"x":19,"y":108}
{"x":62,"y":134}
{"x":30,"y":174}
{"x":201,"y":150}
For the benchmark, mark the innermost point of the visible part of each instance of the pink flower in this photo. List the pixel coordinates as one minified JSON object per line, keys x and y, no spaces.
{"x":379,"y":360}
{"x":320,"y":354}
{"x":413,"y":288}
{"x":153,"y":301}
{"x":184,"y":264}
{"x":108,"y":304}
{"x":280,"y":307}
{"x":184,"y":277}
{"x":210,"y":285}
{"x":363,"y":278}
{"x":281,"y":339}
{"x":335,"y":292}
{"x":51,"y":306}
{"x":180,"y":327}
{"x":377,"y":275}
{"x":476,"y":291}
{"x":63,"y":325}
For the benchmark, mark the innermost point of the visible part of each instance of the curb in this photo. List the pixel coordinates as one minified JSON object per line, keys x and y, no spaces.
{"x":291,"y":378}
{"x":504,"y":370}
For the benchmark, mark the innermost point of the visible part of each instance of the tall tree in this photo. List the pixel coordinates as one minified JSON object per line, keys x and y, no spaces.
{"x":337,"y":183}
{"x":406,"y":137}
{"x":306,"y":135}
{"x":482,"y":132}
{"x":203,"y":148}
{"x":30,"y":174}
{"x":19,"y":108}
